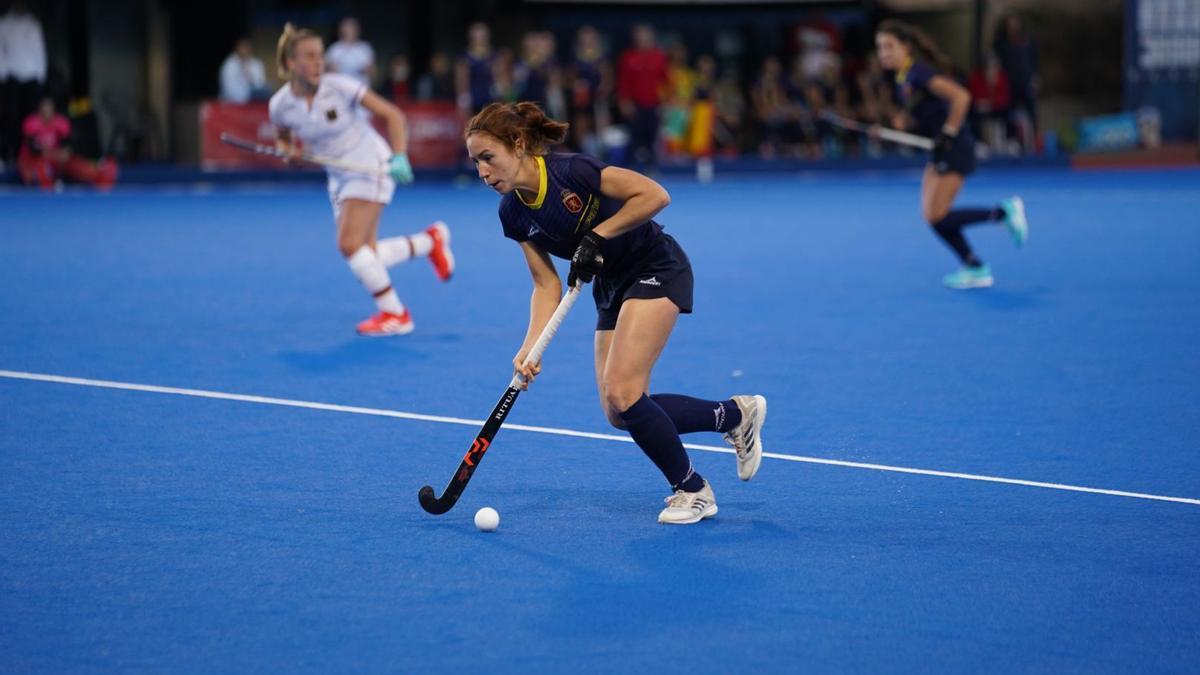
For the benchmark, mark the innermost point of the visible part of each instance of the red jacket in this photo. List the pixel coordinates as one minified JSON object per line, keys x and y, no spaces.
{"x":997,"y":94}
{"x":641,"y":75}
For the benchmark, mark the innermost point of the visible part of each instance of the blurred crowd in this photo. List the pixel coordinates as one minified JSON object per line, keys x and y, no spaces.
{"x":654,"y":99}
{"x":34,"y":136}
{"x":639,"y":98}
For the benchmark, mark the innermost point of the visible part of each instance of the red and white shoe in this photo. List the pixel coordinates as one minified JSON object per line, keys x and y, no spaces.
{"x":441,"y":256}
{"x":386,"y":323}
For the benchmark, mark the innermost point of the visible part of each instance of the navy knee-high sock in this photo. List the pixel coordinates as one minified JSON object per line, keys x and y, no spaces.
{"x":950,"y":228}
{"x":692,"y":414}
{"x":655,"y":434}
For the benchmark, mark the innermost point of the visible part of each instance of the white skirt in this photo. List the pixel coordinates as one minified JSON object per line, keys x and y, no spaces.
{"x":343,"y":185}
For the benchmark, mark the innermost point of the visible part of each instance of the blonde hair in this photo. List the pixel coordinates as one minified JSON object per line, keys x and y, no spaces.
{"x":287,"y":46}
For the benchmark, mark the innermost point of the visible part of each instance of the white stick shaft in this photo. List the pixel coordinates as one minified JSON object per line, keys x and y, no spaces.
{"x":893,"y":135}
{"x":551,"y":328}
{"x":905,"y":138}
{"x":334,"y":163}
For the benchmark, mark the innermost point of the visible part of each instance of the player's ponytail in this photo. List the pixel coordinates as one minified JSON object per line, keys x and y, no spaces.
{"x":919,"y":43}
{"x":524,"y":121}
{"x":287,"y":47}
{"x":542,"y":132}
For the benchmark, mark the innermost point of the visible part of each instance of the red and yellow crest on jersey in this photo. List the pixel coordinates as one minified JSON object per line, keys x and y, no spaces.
{"x":572,"y":201}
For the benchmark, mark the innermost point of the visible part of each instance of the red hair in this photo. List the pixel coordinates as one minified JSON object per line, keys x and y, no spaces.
{"x":512,"y":122}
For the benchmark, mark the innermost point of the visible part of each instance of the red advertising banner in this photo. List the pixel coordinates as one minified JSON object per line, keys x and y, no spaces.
{"x":434,"y":135}
{"x":248,"y":121}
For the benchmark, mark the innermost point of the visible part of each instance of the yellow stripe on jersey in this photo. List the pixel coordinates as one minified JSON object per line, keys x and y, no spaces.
{"x":541,"y":195}
{"x":902,"y":74}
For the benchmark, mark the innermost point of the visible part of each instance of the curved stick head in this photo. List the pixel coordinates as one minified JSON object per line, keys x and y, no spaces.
{"x":432,"y":504}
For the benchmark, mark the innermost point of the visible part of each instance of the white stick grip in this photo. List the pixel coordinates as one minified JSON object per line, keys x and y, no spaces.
{"x":556,"y":319}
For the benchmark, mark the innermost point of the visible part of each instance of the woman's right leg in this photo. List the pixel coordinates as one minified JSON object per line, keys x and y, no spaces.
{"x":739,"y":418}
{"x":357,"y":224}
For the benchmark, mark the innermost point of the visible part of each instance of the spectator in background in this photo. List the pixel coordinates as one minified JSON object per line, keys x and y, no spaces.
{"x":681,"y":91}
{"x":875,"y":101}
{"x":503,"y":80}
{"x":532,"y":73}
{"x":797,"y":136}
{"x":438,"y":83}
{"x":243,"y":78}
{"x":641,"y":76}
{"x":475,"y":76}
{"x":23,"y":62}
{"x":818,"y":50}
{"x":771,"y":107}
{"x":350,"y":55}
{"x":590,"y":81}
{"x":556,"y":98}
{"x":398,"y":73}
{"x":990,"y":100}
{"x":824,"y":95}
{"x":1018,"y":58}
{"x":46,"y":159}
{"x":874,"y":92}
{"x":699,"y":141}
{"x":730,"y":129}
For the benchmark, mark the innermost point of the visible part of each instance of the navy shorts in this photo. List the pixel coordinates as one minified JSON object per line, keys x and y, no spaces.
{"x":960,"y":159}
{"x":664,"y":271}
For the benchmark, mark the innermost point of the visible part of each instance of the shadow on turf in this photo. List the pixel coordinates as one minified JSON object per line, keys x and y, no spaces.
{"x":1005,"y":299}
{"x":359,"y":351}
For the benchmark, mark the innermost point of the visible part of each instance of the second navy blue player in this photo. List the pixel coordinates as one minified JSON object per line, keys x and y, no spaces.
{"x":601,"y":218}
{"x":936,"y":105}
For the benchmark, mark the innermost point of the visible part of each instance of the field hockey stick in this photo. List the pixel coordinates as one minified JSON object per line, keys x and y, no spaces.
{"x":271,"y":151}
{"x":893,"y":135}
{"x":470,"y":461}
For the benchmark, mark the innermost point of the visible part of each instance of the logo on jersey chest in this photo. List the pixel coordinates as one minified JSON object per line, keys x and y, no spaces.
{"x":572,"y":201}
{"x":331,"y":114}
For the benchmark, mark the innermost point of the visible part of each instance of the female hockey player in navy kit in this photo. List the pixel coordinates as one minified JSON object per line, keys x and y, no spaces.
{"x":936,"y":105}
{"x":601,"y":219}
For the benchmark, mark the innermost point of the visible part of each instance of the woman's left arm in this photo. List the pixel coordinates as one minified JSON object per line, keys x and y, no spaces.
{"x":641,"y":197}
{"x":396,"y":124}
{"x":957,"y":96}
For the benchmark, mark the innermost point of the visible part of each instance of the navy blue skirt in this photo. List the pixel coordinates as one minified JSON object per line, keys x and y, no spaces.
{"x":663,"y":271}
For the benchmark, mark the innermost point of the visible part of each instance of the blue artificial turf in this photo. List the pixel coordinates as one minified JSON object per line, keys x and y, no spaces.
{"x":144,"y":531}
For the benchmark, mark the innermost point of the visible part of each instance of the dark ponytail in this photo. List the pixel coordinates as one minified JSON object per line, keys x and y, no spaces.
{"x":524,"y":121}
{"x":922,"y":46}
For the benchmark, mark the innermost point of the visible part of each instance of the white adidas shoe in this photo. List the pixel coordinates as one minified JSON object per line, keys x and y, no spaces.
{"x":685,"y":508}
{"x":746,"y":437}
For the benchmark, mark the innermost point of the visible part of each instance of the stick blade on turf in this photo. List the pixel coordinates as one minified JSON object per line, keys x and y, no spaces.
{"x":432,"y":504}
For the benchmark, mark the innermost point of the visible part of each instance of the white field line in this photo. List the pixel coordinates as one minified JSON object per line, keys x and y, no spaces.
{"x":379,"y":412}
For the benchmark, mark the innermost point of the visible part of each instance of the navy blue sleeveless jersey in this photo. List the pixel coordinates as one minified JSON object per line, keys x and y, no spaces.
{"x":926,"y":108}
{"x":567,"y":205}
{"x":929,"y":111}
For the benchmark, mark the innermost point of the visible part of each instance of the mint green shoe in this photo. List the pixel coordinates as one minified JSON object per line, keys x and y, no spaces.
{"x":1014,"y":219}
{"x":969,"y":277}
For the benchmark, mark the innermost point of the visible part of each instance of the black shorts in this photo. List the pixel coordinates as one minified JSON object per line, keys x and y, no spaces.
{"x":664,"y":271}
{"x":961,"y":158}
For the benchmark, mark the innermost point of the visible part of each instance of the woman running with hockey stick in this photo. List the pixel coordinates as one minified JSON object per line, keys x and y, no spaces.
{"x":936,"y":105}
{"x":321,"y":110}
{"x":601,"y":219}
